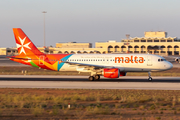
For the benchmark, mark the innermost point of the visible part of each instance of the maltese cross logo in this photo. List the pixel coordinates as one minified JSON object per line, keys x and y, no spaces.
{"x":22,"y":46}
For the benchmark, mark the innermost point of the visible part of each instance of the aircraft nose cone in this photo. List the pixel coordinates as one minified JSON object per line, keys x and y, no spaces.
{"x":169,"y":65}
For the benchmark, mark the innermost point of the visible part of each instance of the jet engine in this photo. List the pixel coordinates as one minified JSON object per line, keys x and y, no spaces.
{"x":177,"y":60}
{"x":113,"y":73}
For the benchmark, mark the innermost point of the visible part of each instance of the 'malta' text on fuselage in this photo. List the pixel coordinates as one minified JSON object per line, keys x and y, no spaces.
{"x":132,"y":59}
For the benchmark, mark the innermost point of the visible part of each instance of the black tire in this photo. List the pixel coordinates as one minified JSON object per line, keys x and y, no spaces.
{"x":91,"y":78}
{"x":97,"y":77}
{"x":150,"y":78}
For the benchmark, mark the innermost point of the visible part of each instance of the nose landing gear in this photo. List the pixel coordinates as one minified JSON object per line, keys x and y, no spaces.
{"x":150,"y":78}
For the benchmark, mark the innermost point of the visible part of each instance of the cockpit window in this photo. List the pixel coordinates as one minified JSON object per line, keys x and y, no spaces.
{"x":161,"y":60}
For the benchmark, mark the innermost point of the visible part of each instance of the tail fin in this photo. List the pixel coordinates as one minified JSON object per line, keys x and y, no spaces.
{"x":24,"y":45}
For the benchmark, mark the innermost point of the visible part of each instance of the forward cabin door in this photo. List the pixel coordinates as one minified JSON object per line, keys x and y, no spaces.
{"x":149,"y":60}
{"x":41,"y":60}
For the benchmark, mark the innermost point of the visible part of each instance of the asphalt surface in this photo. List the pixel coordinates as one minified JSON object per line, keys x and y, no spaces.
{"x":81,"y":82}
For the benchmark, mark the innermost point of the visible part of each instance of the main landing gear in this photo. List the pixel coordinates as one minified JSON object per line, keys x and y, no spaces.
{"x":150,"y":78}
{"x":96,"y":77}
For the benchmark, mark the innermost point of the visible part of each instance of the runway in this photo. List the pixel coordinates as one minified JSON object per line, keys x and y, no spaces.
{"x":82,"y":82}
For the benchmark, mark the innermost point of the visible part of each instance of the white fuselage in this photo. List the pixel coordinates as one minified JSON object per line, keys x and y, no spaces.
{"x":125,"y":62}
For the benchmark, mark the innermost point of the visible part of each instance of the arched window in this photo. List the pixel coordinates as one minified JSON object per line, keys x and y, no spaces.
{"x":110,"y":49}
{"x":130,"y":46}
{"x":79,"y":52}
{"x":143,"y":46}
{"x":72,"y":52}
{"x":149,"y":47}
{"x":169,"y":48}
{"x":123,"y":48}
{"x":176,"y":48}
{"x":136,"y":48}
{"x":156,"y":47}
{"x":143,"y":49}
{"x":130,"y":50}
{"x":98,"y":52}
{"x":116,"y":48}
{"x":66,"y":52}
{"x":162,"y":47}
{"x":91,"y":52}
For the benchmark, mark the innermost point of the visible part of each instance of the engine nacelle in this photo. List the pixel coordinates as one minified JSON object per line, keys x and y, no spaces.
{"x":113,"y":73}
{"x":177,"y":60}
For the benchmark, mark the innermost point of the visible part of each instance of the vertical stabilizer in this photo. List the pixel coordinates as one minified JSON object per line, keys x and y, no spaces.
{"x":24,"y":45}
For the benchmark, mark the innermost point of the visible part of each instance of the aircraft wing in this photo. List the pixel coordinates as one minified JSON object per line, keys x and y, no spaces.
{"x":90,"y":66}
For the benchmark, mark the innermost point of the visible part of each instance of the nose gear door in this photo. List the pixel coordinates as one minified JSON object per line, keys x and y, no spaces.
{"x":149,"y":60}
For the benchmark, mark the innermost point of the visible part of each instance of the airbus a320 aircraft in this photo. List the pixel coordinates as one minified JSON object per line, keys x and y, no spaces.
{"x":108,"y":65}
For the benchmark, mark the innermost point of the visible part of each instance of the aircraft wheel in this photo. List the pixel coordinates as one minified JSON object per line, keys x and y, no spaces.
{"x":150,"y":78}
{"x":97,"y":77}
{"x":91,"y":78}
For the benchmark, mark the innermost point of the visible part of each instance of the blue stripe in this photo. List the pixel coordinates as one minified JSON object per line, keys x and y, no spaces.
{"x":62,"y":63}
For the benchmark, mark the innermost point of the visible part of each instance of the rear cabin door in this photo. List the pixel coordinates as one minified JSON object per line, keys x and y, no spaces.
{"x":41,"y":60}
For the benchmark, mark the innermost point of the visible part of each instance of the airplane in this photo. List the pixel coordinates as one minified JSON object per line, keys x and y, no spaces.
{"x":107,"y":65}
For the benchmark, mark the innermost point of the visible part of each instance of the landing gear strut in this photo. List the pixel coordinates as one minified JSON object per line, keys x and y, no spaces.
{"x":150,"y":78}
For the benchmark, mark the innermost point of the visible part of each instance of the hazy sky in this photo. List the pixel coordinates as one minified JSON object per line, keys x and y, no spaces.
{"x":87,"y":20}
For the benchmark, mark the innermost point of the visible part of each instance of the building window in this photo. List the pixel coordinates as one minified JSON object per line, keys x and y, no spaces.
{"x":143,"y":40}
{"x":169,"y":40}
{"x":136,"y":40}
{"x":163,"y":40}
{"x":149,"y":40}
{"x":156,"y":40}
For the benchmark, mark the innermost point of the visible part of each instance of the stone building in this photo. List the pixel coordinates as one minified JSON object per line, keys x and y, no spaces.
{"x":152,"y":43}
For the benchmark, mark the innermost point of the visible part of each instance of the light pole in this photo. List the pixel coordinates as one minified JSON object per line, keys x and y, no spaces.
{"x":44,"y":28}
